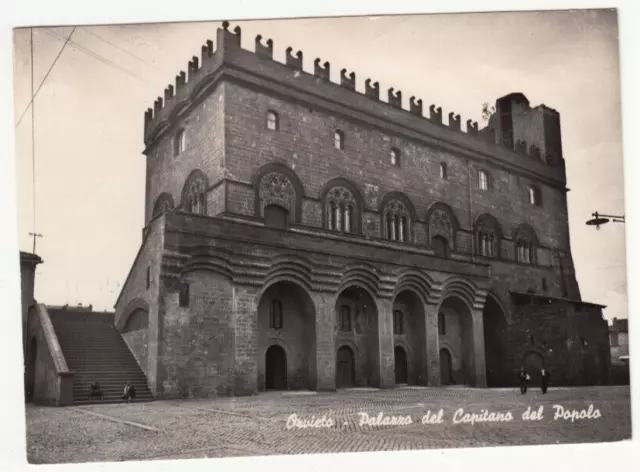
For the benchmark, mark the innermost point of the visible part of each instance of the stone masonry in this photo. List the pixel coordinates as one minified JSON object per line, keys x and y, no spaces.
{"x":302,"y":235}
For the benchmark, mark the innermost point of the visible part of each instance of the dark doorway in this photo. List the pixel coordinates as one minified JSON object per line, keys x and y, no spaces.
{"x":30,"y":377}
{"x":495,"y":342}
{"x":401,"y":365}
{"x":440,"y":246}
{"x":275,"y":217}
{"x":276,"y":369}
{"x":345,"y":372}
{"x":446,"y":369}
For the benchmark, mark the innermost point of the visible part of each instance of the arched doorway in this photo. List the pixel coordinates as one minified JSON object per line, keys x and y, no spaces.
{"x":409,"y":331}
{"x":286,"y":317}
{"x":532,"y":364}
{"x":30,"y":370}
{"x":345,"y":368}
{"x":495,"y":342}
{"x":276,"y":368}
{"x":356,"y":324}
{"x":455,"y":330}
{"x":401,"y":365}
{"x":440,"y":246}
{"x":445,"y":367}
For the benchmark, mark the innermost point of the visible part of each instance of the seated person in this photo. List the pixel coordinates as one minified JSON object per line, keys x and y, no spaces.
{"x":129,"y":392}
{"x":94,"y":391}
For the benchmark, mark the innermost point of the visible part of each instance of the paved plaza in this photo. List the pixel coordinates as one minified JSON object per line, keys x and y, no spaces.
{"x":346,"y":421}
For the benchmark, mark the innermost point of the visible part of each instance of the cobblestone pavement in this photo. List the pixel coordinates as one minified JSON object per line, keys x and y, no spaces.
{"x":257,"y":425}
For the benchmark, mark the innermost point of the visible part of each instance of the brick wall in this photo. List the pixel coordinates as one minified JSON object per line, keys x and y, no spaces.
{"x":204,"y":128}
{"x":195,"y":353}
{"x":305,"y":143}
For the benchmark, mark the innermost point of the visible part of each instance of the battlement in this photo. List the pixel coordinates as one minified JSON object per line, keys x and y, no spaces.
{"x":203,"y":71}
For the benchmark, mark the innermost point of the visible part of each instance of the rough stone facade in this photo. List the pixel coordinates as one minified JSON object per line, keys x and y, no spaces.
{"x":302,"y":235}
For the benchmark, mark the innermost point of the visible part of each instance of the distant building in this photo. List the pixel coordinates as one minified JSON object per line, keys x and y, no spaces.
{"x":619,"y":341}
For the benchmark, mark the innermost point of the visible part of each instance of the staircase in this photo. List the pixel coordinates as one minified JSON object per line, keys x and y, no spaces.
{"x":96,"y":352}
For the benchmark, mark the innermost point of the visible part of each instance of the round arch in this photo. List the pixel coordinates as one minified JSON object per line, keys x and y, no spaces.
{"x":459,"y":338}
{"x":164,"y":202}
{"x":298,"y":188}
{"x":433,"y":231}
{"x":286,"y":318}
{"x":496,"y":343}
{"x":355,"y":191}
{"x":194,"y":176}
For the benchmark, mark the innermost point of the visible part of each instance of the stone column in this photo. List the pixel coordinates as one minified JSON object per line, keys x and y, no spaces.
{"x":386,"y":361}
{"x":325,"y":357}
{"x":432,"y":345}
{"x":245,"y":340}
{"x":480,"y":366}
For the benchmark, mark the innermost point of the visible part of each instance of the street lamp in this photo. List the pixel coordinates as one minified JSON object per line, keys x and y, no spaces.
{"x":599,"y":219}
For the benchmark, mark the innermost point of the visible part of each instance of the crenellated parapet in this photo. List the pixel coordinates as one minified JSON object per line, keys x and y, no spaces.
{"x":202,"y":72}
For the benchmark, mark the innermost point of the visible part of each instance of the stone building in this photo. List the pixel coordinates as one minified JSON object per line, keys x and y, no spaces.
{"x":619,"y":341}
{"x":300,"y":234}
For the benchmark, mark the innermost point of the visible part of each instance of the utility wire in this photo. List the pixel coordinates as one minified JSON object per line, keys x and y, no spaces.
{"x":99,"y":57}
{"x":121,"y":49}
{"x":33,"y":135}
{"x":33,"y":96}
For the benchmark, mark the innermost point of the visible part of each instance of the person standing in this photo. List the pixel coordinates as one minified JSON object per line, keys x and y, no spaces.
{"x":524,"y":380}
{"x":544,"y":379}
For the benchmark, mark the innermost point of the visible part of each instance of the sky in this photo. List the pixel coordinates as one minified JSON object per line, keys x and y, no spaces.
{"x":89,"y":167}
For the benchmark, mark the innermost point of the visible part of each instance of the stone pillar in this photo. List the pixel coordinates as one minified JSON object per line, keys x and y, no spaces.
{"x":325,"y":365}
{"x":479,"y":365}
{"x":245,"y":340}
{"x":386,"y":361}
{"x":28,"y":263}
{"x":432,"y":345}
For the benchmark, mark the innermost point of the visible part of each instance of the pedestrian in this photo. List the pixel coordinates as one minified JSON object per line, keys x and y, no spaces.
{"x":129,"y":392}
{"x":544,"y":379}
{"x":524,"y":380}
{"x":94,"y":391}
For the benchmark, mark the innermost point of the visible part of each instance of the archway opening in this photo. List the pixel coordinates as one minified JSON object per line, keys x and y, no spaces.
{"x":356,"y":324}
{"x":455,"y":333}
{"x":30,"y":381}
{"x":409,"y":331}
{"x":286,"y":321}
{"x":499,"y":373}
{"x":401,"y":365}
{"x":276,"y":368}
{"x":345,"y":368}
{"x":446,"y":369}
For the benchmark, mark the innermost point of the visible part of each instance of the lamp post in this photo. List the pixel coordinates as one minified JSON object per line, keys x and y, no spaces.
{"x":599,"y":219}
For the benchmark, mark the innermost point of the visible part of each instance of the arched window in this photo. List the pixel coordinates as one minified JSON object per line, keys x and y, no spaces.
{"x":272,"y":121}
{"x":488,"y":236}
{"x":484,"y":180}
{"x":275,"y":217}
{"x":275,"y":314}
{"x":395,"y":157}
{"x":443,"y":171}
{"x":196,"y":197}
{"x":345,"y":318}
{"x":526,"y":244}
{"x":440,"y":246}
{"x":397,"y":322}
{"x":534,"y":195}
{"x":164,"y":204}
{"x":524,"y":251}
{"x":442,"y":329}
{"x":338,"y":139}
{"x":180,"y":142}
{"x":340,"y":209}
{"x":397,"y":221}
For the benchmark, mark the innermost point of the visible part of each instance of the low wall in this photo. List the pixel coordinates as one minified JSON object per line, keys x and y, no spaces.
{"x":48,"y":380}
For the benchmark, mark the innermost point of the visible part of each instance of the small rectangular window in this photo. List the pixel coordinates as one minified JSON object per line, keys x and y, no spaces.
{"x":483,"y":180}
{"x":397,"y":322}
{"x":345,"y":318}
{"x":183,"y":297}
{"x":442,"y":329}
{"x":272,"y":121}
{"x":148,"y":277}
{"x":275,"y":315}
{"x":338,"y":139}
